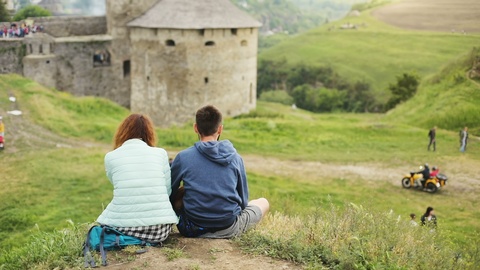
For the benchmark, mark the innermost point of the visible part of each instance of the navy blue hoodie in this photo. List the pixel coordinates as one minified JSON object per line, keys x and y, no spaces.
{"x":215,"y":183}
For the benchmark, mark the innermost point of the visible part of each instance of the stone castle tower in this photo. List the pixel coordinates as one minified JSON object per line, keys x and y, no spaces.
{"x":164,"y":58}
{"x":183,"y":54}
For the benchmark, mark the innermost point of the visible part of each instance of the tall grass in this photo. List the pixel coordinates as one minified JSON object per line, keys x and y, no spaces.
{"x":357,"y":238}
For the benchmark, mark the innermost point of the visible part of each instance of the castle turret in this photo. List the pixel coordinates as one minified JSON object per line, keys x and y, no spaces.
{"x":186,"y":54}
{"x":119,"y":13}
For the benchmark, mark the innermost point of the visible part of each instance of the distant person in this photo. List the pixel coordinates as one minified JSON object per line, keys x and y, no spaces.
{"x":463,"y":139}
{"x":412,"y":220}
{"x":213,"y":202}
{"x":434,"y":172}
{"x":425,"y":171}
{"x":140,"y":175}
{"x":431,"y":135}
{"x":429,"y":219}
{"x":2,"y":133}
{"x":2,"y":127}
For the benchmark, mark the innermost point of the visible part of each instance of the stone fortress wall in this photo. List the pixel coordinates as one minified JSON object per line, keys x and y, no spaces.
{"x":11,"y":54}
{"x":165,"y":73}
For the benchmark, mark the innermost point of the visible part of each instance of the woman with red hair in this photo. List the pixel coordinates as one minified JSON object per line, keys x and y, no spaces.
{"x":140,"y":174}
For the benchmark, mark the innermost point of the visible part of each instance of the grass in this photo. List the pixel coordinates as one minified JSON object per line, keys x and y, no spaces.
{"x":448,"y":100}
{"x":43,"y":187}
{"x":356,"y":238}
{"x":375,"y":53}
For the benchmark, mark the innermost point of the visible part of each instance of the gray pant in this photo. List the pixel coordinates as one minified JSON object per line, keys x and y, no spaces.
{"x":247,"y":219}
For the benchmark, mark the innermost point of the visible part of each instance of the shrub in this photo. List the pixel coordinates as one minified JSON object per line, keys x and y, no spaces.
{"x":404,"y":89}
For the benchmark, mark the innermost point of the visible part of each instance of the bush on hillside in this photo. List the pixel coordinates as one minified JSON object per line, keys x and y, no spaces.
{"x":318,"y":89}
{"x":318,"y":99}
{"x":31,"y":11}
{"x":403,"y":90}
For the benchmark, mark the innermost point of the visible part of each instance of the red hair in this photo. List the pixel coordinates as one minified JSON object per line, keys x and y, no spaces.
{"x":137,"y":126}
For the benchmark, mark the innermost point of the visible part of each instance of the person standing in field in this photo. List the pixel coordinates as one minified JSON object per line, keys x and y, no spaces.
{"x":140,"y":175}
{"x":213,"y":201}
{"x":2,"y":133}
{"x":432,"y":135}
{"x":463,"y":139}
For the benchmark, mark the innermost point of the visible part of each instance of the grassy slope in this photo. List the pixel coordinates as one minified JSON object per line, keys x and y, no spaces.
{"x":48,"y":186}
{"x":43,"y":186}
{"x":375,"y":52}
{"x":448,"y":100}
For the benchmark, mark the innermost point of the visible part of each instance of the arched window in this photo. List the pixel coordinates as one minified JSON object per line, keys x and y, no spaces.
{"x":170,"y":42}
{"x":243,"y":43}
{"x":210,"y":43}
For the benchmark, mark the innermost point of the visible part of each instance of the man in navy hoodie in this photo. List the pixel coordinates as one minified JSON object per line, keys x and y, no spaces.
{"x":215,"y":191}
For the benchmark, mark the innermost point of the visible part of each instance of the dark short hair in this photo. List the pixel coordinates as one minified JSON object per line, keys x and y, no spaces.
{"x":208,"y":119}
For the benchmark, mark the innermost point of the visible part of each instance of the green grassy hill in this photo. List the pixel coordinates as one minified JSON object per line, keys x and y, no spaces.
{"x":374,"y":52}
{"x":449,"y":100}
{"x":53,"y":176}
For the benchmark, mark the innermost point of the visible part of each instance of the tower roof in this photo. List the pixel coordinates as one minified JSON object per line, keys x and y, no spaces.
{"x":194,"y":14}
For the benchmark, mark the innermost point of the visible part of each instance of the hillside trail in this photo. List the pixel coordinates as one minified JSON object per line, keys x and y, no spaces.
{"x":225,"y":254}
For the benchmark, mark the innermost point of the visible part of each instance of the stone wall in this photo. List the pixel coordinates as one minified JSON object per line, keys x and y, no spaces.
{"x":12,"y":51}
{"x":73,"y":26}
{"x":78,"y":74}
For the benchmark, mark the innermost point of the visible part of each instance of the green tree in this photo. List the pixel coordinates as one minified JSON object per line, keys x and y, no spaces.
{"x":359,"y":98}
{"x":404,"y":89}
{"x":31,"y":11}
{"x":318,"y":99}
{"x":4,"y":15}
{"x":272,"y":75}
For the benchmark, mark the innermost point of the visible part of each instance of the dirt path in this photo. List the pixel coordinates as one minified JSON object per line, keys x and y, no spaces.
{"x":464,"y":175}
{"x":205,"y":254}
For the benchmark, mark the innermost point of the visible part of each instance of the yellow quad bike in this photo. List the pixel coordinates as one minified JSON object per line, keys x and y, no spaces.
{"x":431,"y":185}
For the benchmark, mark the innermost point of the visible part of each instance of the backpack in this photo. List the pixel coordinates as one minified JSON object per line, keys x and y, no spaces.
{"x":102,"y":238}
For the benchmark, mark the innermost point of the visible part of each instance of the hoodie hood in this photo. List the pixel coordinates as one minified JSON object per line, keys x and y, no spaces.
{"x":221,"y":152}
